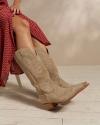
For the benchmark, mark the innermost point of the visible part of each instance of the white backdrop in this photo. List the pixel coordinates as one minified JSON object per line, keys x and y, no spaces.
{"x":72,"y":26}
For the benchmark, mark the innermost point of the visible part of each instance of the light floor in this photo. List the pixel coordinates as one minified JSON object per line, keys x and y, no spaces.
{"x":19,"y":107}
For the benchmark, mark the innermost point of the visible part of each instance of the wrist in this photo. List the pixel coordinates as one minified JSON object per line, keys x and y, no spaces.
{"x":16,"y":3}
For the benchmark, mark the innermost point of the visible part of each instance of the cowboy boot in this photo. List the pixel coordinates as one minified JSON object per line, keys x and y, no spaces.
{"x":51,"y":66}
{"x":49,"y":93}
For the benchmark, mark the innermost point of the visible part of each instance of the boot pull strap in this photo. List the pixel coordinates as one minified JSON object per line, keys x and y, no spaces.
{"x":47,"y":51}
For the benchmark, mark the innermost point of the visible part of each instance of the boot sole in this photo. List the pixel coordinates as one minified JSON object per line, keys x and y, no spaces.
{"x":50,"y":106}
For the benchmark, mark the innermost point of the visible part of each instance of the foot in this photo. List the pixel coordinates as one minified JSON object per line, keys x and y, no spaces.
{"x":61,"y":96}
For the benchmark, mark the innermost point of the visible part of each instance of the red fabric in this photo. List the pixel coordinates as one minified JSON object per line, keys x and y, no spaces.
{"x":8,"y":42}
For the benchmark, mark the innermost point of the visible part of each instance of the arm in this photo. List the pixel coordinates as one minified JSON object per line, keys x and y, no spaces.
{"x":16,"y":2}
{"x":15,"y":7}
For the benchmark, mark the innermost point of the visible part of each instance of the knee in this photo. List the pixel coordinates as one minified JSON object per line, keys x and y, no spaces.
{"x":20,"y":24}
{"x":24,"y":23}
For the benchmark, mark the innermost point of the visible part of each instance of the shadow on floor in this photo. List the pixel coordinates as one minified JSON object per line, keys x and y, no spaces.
{"x":23,"y":95}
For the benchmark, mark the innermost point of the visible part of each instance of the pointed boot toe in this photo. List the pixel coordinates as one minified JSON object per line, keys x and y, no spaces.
{"x":80,"y":86}
{"x":73,"y":90}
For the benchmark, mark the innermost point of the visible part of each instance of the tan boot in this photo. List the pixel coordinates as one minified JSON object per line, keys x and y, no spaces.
{"x":48,"y":92}
{"x":51,"y":66}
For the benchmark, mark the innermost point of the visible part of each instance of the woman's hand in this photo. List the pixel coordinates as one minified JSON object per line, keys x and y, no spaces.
{"x":15,"y":9}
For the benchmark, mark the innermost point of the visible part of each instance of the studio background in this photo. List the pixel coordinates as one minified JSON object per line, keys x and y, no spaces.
{"x":72,"y":26}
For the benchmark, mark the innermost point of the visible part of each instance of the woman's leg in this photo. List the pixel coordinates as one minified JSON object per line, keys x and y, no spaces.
{"x":29,"y":61}
{"x":22,"y":31}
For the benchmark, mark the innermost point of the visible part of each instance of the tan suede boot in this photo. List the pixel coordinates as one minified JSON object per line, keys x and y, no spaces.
{"x":51,"y":66}
{"x":48,"y":92}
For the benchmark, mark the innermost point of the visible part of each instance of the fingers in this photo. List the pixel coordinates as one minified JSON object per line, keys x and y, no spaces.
{"x":15,"y":10}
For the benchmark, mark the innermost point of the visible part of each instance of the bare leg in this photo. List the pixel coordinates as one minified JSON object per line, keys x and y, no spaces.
{"x":22,"y":31}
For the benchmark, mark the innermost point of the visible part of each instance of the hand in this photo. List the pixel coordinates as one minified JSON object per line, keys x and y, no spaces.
{"x":15,"y":9}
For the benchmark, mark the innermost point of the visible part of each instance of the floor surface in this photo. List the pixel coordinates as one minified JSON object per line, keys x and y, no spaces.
{"x":19,"y":107}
